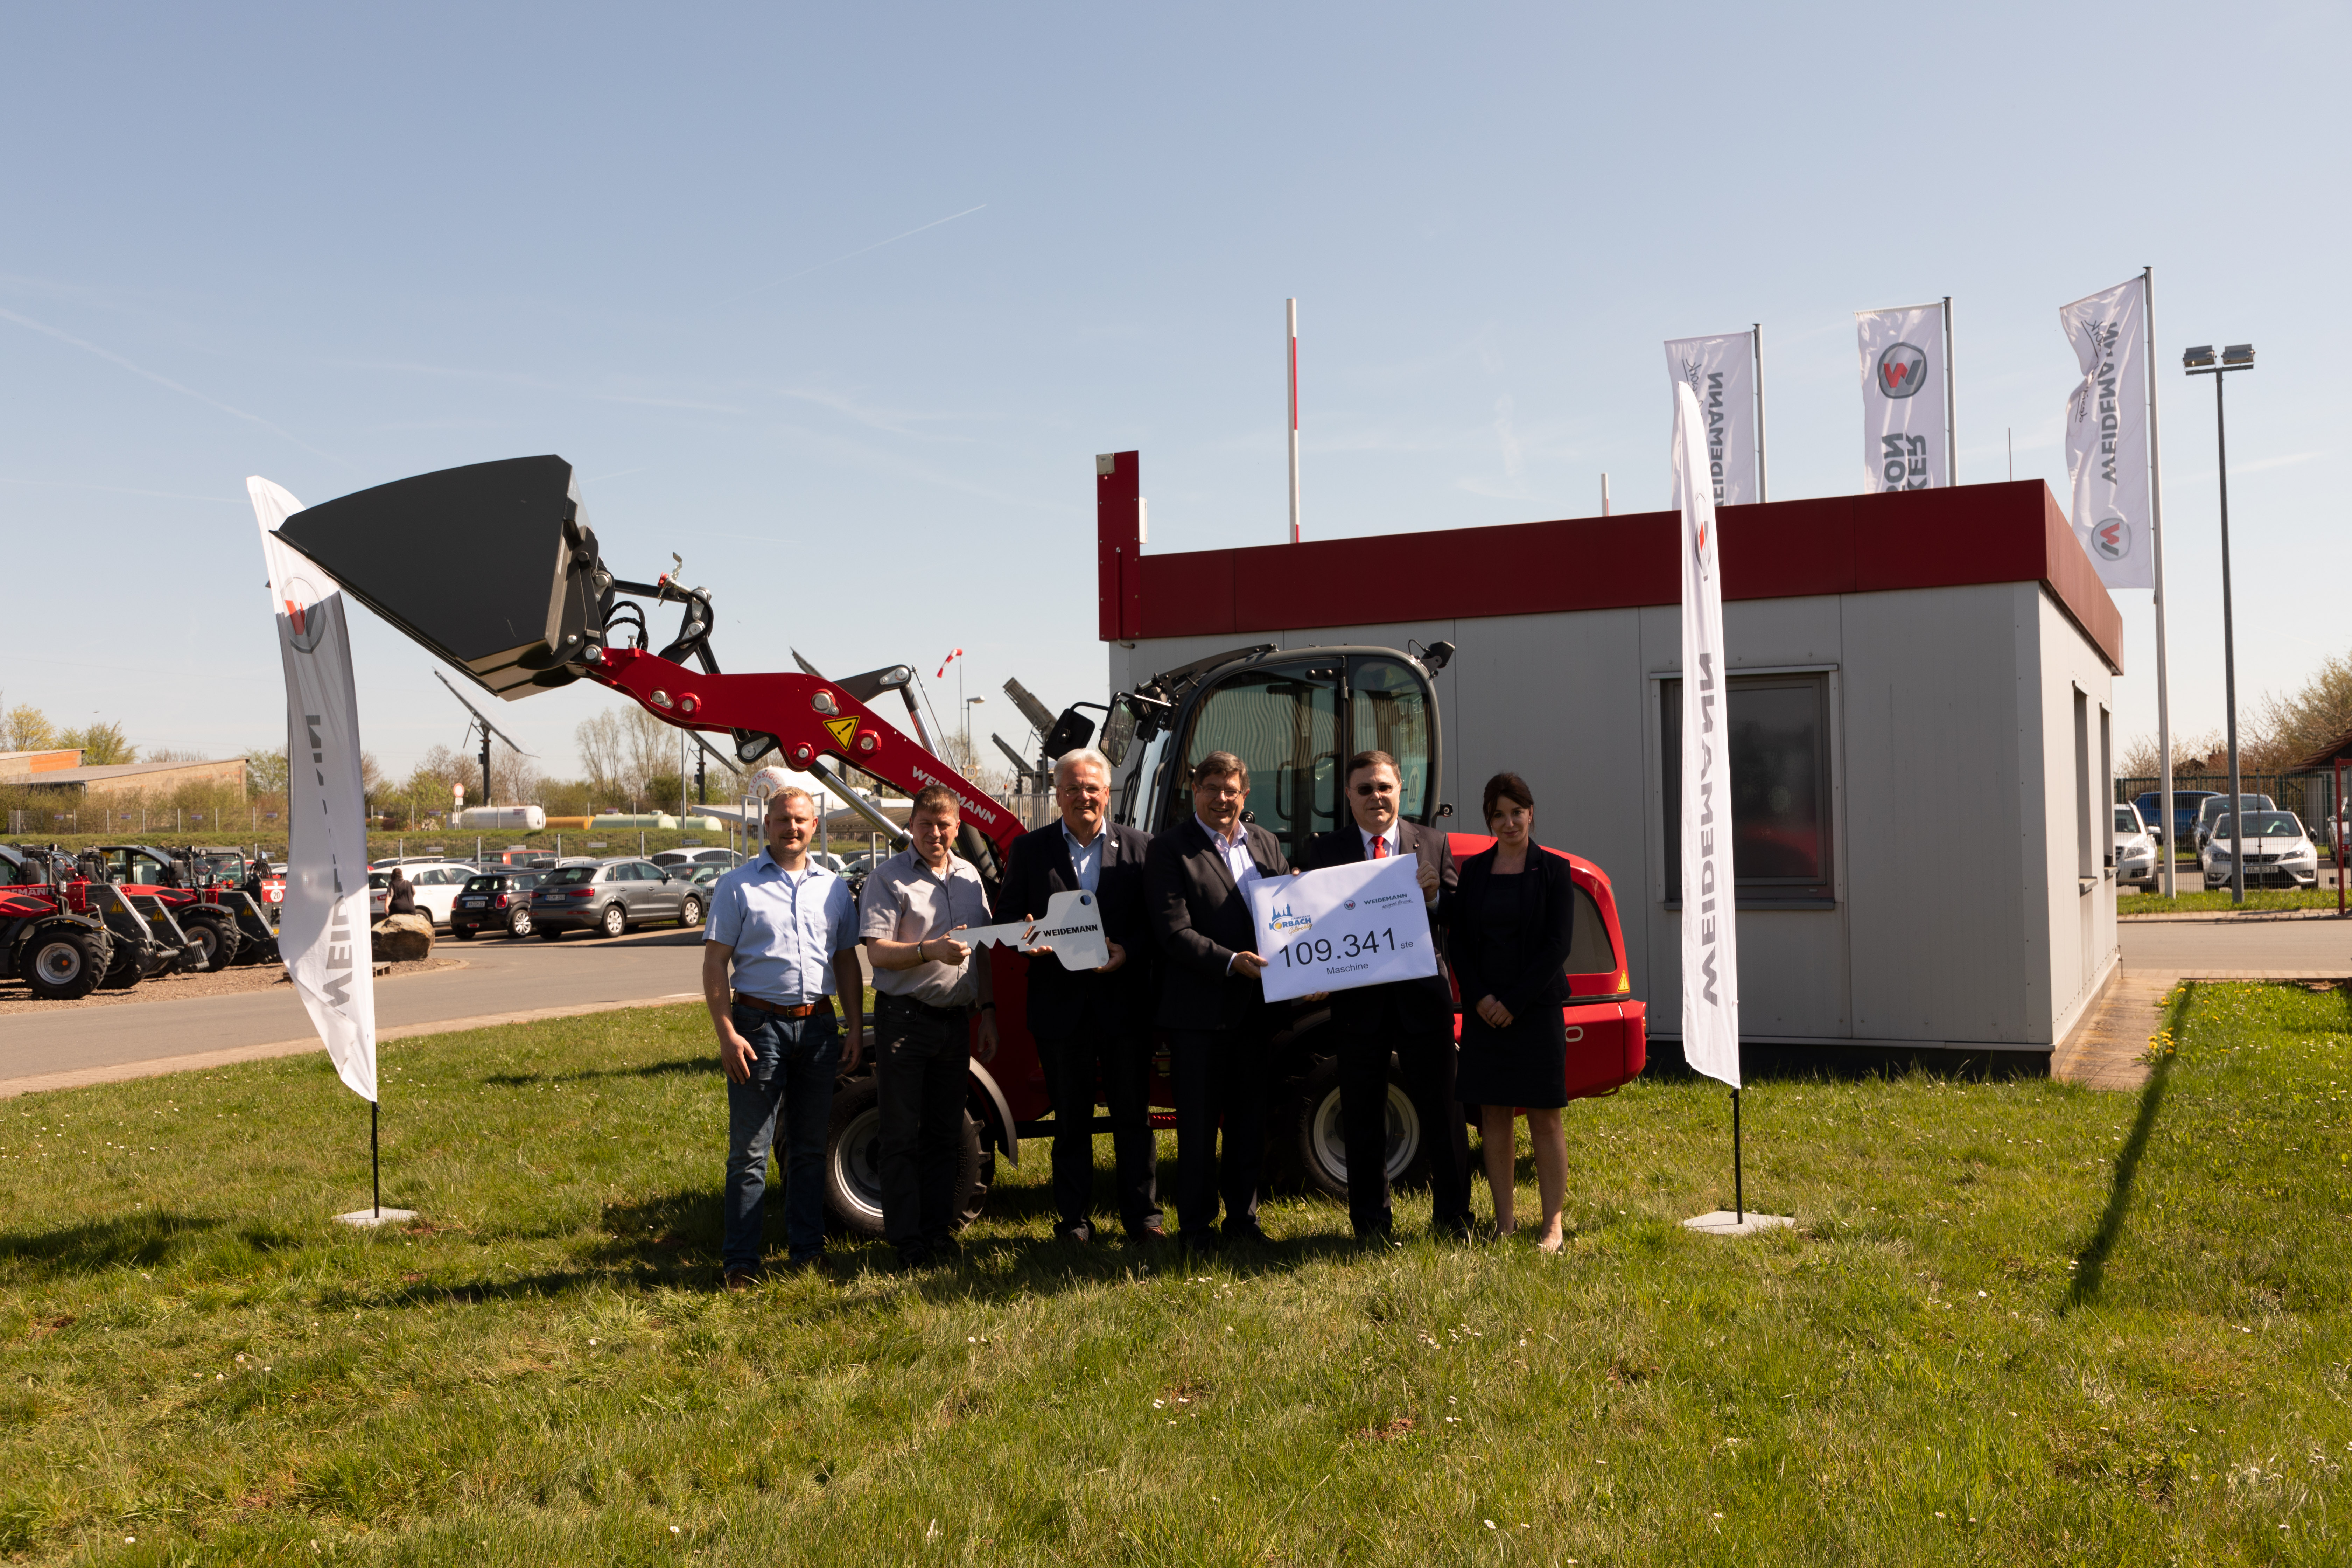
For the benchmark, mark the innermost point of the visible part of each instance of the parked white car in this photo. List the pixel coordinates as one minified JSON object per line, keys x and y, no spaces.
{"x":2136,"y":861}
{"x":437,"y":884}
{"x":2279,"y":853}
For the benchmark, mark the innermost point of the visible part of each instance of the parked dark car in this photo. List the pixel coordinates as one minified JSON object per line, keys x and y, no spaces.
{"x":2185,"y":803}
{"x":612,"y":896}
{"x":494,"y":901}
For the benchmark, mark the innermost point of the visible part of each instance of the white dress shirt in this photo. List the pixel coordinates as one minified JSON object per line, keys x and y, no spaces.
{"x":1394,"y":837}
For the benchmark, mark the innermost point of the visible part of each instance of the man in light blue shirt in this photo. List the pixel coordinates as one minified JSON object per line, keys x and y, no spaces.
{"x":789,"y":929}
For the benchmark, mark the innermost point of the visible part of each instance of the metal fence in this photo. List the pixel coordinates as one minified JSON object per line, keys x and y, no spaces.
{"x":2310,"y":796}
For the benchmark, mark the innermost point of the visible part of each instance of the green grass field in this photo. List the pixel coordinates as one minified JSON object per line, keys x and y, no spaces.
{"x":2018,"y":1322}
{"x":2202,"y":902}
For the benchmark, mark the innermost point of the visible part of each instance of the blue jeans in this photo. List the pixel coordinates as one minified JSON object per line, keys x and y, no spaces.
{"x":794,"y":1061}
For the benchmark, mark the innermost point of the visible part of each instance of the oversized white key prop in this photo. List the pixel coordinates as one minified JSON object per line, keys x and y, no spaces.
{"x":1072,"y":927}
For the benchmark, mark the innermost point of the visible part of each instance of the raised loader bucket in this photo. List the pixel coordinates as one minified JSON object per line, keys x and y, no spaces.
{"x":492,"y":566}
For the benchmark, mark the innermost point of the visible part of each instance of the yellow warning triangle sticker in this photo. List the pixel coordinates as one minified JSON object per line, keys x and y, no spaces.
{"x":844,"y":730}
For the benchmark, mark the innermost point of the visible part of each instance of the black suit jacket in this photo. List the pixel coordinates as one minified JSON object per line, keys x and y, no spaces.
{"x":1060,"y":1000}
{"x":1200,"y":921}
{"x":1538,"y":978}
{"x":1412,"y":1001}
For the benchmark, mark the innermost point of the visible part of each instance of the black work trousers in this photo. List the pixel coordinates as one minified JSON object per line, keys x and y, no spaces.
{"x":1220,"y":1082}
{"x":922,"y":1059}
{"x":1120,"y":1063}
{"x":1424,"y":1056}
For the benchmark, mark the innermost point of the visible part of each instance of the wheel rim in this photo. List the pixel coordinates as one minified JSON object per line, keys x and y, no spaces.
{"x":207,"y":942}
{"x":692,"y":914}
{"x":1327,"y":1138}
{"x":521,"y":924}
{"x":59,"y":964}
{"x":614,"y":920}
{"x":857,"y":1167}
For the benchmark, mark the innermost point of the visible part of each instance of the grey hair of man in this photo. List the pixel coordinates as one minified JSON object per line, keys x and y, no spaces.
{"x":1086,"y":756}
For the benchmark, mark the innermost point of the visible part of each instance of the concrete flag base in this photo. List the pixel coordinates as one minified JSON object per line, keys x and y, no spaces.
{"x":1722,"y":1222}
{"x":365,"y":1218}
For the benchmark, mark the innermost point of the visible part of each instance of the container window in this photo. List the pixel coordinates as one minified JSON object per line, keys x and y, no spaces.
{"x":1779,"y":733}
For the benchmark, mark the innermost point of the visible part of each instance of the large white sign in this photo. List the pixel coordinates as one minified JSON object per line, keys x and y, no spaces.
{"x":1904,"y":416}
{"x":2107,"y":433}
{"x":1721,"y":373}
{"x":323,"y":929}
{"x":1342,"y":927}
{"x":1710,"y":930}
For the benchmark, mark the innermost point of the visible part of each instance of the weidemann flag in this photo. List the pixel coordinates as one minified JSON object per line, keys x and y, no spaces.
{"x":1722,"y":373}
{"x":1710,"y":931}
{"x":1903,"y":414}
{"x":2107,"y":433}
{"x":323,"y":929}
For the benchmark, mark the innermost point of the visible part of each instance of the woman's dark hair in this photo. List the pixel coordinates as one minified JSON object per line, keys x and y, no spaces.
{"x":1503,"y":788}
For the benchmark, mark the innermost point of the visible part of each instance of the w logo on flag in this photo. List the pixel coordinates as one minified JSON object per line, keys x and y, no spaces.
{"x":1902,"y":371}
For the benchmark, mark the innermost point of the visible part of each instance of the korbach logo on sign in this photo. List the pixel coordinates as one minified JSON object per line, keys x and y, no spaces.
{"x":1721,"y":374}
{"x":1903,"y":414}
{"x":1710,"y":976}
{"x":323,"y":924}
{"x":2107,"y":433}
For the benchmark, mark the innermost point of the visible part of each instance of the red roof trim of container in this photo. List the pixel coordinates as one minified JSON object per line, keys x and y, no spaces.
{"x":1954,"y":537}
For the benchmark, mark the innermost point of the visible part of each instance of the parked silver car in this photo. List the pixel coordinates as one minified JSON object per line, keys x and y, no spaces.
{"x":2278,"y":852}
{"x":611,"y":896}
{"x":2213,"y":806}
{"x":2135,"y":859}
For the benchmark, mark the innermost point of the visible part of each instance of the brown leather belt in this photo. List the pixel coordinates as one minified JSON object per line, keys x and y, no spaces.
{"x":821,"y":1007}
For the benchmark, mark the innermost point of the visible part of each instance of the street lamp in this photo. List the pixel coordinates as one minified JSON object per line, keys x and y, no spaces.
{"x":2199,"y":361}
{"x":970,"y":703}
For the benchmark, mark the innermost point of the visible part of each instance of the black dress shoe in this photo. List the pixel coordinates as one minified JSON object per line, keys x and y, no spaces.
{"x":1249,"y":1231}
{"x":1081,"y":1233}
{"x":1201,"y":1241}
{"x":1149,"y":1235}
{"x":914,"y":1259}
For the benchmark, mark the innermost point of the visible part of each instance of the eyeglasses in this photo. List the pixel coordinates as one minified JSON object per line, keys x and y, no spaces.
{"x":1372,"y":789}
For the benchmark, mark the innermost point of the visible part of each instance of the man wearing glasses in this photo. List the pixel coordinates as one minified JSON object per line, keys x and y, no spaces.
{"x":1411,"y":1020}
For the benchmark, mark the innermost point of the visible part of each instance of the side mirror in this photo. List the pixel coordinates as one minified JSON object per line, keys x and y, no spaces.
{"x":1118,"y":734}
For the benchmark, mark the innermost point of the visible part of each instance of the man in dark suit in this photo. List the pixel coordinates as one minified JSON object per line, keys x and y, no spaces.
{"x":1197,"y":877}
{"x":1093,"y":1025}
{"x":1411,"y":1020}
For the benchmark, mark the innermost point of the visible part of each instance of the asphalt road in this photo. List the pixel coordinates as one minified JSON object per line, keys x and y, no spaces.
{"x":2233,"y":942}
{"x":499,"y":977}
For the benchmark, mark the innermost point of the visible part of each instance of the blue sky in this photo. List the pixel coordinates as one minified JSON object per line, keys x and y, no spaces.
{"x":840,"y":304}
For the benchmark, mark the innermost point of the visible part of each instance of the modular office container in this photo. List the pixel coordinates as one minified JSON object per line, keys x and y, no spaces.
{"x":1919,"y":728}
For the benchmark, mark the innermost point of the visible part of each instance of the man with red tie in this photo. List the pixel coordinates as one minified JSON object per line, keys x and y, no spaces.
{"x":1411,"y":1020}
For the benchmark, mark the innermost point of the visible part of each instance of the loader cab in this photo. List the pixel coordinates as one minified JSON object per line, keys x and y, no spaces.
{"x":1294,"y":716}
{"x":130,"y":863}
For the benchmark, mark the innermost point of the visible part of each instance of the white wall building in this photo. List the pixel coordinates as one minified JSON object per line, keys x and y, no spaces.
{"x":1919,"y":727}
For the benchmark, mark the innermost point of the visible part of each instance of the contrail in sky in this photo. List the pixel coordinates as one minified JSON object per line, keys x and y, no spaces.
{"x":860,"y":251}
{"x":113,"y":358}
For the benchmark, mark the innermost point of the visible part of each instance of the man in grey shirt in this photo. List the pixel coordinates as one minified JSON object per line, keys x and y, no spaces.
{"x":926,"y":986}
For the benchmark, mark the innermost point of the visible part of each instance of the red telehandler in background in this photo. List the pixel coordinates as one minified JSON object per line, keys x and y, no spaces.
{"x":535,"y":608}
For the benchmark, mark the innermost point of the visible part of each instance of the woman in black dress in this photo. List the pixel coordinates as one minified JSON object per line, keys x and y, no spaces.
{"x":1514,"y":915}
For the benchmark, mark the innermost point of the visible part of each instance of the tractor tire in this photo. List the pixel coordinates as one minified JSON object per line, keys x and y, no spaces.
{"x":215,"y":943}
{"x":64,"y":965}
{"x":615,"y":920}
{"x":128,"y":969}
{"x":1318,"y":1138}
{"x":689,"y":914}
{"x":853,"y":1163}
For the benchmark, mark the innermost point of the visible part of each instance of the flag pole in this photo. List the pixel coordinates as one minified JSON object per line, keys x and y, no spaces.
{"x":1739,"y":1192}
{"x":1290,"y":309}
{"x":1763,"y":494}
{"x":376,"y":1162}
{"x":1951,"y":414}
{"x":2156,"y":531}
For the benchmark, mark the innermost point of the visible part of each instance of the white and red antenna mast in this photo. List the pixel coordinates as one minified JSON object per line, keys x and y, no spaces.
{"x":1292,"y":310}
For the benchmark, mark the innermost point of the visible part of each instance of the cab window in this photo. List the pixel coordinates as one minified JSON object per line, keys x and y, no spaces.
{"x":1283,"y":721}
{"x":1387,"y":710}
